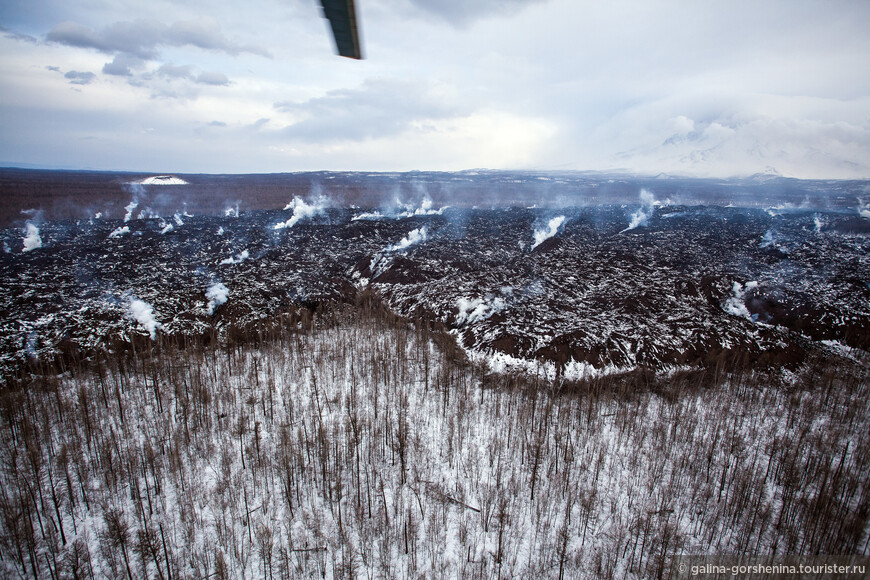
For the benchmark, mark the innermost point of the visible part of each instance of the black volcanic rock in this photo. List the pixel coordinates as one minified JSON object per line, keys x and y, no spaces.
{"x":691,"y":284}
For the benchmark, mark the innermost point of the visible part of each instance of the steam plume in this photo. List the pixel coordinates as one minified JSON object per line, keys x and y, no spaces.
{"x":301,"y":211}
{"x":130,"y":208}
{"x":217,"y":294}
{"x":548,"y":231}
{"x":424,"y":209}
{"x":413,"y":237}
{"x":471,"y":311}
{"x":408,"y":211}
{"x":238,"y":259}
{"x":736,"y":304}
{"x":143,"y":313}
{"x":32,"y":240}
{"x":379,"y":263}
{"x":120,"y":231}
{"x":138,"y":191}
{"x":644,"y":212}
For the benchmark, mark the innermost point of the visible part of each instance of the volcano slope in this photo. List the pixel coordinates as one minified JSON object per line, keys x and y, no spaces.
{"x":689,"y":286}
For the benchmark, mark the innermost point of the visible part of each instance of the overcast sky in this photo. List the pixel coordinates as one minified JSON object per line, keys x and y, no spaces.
{"x":706,"y":88}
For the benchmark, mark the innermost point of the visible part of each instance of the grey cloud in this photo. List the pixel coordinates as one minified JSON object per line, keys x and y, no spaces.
{"x":122,"y":65}
{"x":52,"y":68}
{"x":462,"y":12}
{"x":175,"y":72}
{"x":217,"y":124}
{"x":379,"y":108}
{"x":15,"y":35}
{"x":79,"y":78}
{"x":143,"y":38}
{"x":185,"y":72}
{"x":207,"y":34}
{"x":108,"y":41}
{"x":213,"y":78}
{"x":258,"y":124}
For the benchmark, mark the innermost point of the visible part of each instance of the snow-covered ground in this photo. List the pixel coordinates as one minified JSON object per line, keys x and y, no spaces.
{"x":361,"y":449}
{"x":162,"y":180}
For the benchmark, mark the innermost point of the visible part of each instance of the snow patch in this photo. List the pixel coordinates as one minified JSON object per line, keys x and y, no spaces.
{"x":162,"y":180}
{"x":503,"y":363}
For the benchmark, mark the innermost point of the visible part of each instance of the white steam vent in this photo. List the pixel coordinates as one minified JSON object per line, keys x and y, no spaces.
{"x":119,"y":231}
{"x":736,"y":304}
{"x":414,"y":237}
{"x":32,"y":239}
{"x":143,"y":313}
{"x":302,"y":211}
{"x":548,"y":231}
{"x":644,"y":212}
{"x":382,"y":260}
{"x":477,"y":309}
{"x":217,"y":294}
{"x":237,"y":259}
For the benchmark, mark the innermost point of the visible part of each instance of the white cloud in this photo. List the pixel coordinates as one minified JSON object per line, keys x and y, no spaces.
{"x":145,"y":37}
{"x":725,"y":88}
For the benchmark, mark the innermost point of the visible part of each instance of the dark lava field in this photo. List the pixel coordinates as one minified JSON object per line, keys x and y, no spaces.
{"x":573,"y":291}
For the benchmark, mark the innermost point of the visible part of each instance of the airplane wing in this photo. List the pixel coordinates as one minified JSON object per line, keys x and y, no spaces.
{"x":342,"y":18}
